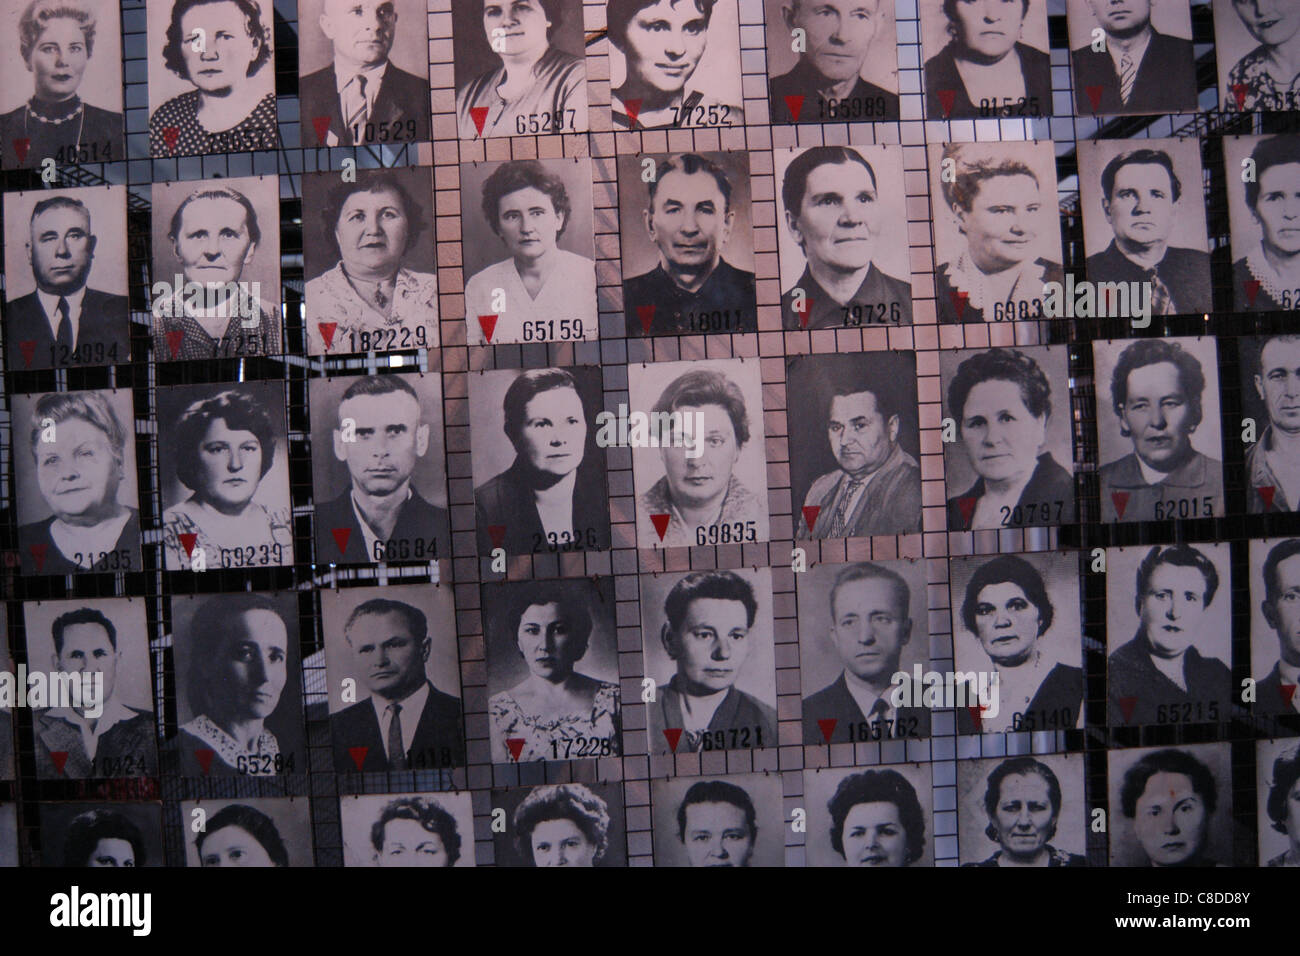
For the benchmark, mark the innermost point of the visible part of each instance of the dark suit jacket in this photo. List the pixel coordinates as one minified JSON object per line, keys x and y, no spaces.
{"x":103,"y":320}
{"x":439,"y":737}
{"x":417,"y":520}
{"x":1165,"y":81}
{"x":890,"y":505}
{"x":1186,"y":272}
{"x":727,"y":289}
{"x":1048,"y":484}
{"x":1130,"y":673}
{"x":941,"y":74}
{"x":804,"y":80}
{"x":129,"y":749}
{"x":37,"y":534}
{"x":835,"y":702}
{"x":507,"y":500}
{"x":1061,"y":689}
{"x":1269,"y":701}
{"x":738,"y":711}
{"x":402,"y":96}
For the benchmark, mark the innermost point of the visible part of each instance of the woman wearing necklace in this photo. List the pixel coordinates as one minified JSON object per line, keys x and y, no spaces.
{"x":1272,"y":268}
{"x":985,"y":67}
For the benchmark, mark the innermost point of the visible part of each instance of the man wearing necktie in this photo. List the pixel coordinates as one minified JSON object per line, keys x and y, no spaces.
{"x":1139,"y":71}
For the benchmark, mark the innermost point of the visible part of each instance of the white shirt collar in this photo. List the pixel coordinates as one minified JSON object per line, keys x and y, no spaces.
{"x":114,"y":713}
{"x":866,"y":696}
{"x":374,"y":79}
{"x":412,"y":708}
{"x":1151,"y":476}
{"x":369,"y":535}
{"x":50,"y":303}
{"x":1135,"y":52}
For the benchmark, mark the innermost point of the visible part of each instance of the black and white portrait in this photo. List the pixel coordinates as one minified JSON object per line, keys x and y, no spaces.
{"x":539,"y":473}
{"x":1012,"y":463}
{"x":986,"y":59}
{"x":1270,"y":396}
{"x":552,"y":670}
{"x":1171,"y":806}
{"x":869,"y":816}
{"x":846,"y":69}
{"x":998,"y":237}
{"x":8,"y":835}
{"x":686,"y":237}
{"x":378,"y":469}
{"x":529,"y":249}
{"x":1176,"y":669}
{"x":394,"y":678}
{"x":368,"y":255}
{"x":1275,"y":627}
{"x":238,"y":686}
{"x":1022,"y":811}
{"x":110,"y":731}
{"x":211,"y":77}
{"x":407,"y":829}
{"x":78,"y":503}
{"x":674,"y":63}
{"x":223,"y":453}
{"x":1277,"y":790}
{"x":1158,"y":428}
{"x":863,"y":628}
{"x":563,"y":824}
{"x":520,"y":67}
{"x":80,"y":835}
{"x":216,"y":268}
{"x":1256,"y":47}
{"x":65,"y":292}
{"x":1262,"y":212}
{"x":1144,"y":224}
{"x":839,"y":269}
{"x":1143,"y":62}
{"x":363,"y":68}
{"x":854,"y":444}
{"x":709,"y":648}
{"x":699,"y":457}
{"x":248,"y":831}
{"x":736,"y":820}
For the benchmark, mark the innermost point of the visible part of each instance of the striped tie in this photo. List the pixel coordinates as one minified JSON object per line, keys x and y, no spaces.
{"x":354,"y":101}
{"x":1127,"y":74}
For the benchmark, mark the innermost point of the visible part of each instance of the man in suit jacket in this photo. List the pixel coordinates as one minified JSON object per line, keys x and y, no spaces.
{"x":64,"y":322}
{"x":406,"y":723}
{"x":361,"y":86}
{"x":1140,"y":71}
{"x":1275,"y":695}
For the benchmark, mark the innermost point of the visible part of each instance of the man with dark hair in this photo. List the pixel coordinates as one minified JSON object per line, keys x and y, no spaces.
{"x":717,"y":824}
{"x":1275,"y":695}
{"x":1273,"y":461}
{"x":1139,"y":70}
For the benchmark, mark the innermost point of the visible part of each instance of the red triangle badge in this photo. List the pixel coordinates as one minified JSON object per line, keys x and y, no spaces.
{"x":497,"y":532}
{"x":38,"y":555}
{"x":327,"y":330}
{"x":977,"y":718}
{"x":174,"y":340}
{"x":322,"y":127}
{"x":341,"y":536}
{"x":827,"y":725}
{"x":1127,"y":705}
{"x":479,"y":115}
{"x":810,"y":513}
{"x":1120,"y":500}
{"x":516,"y":746}
{"x":1239,"y":94}
{"x":795,"y":105}
{"x":188,"y":540}
{"x":28,"y":348}
{"x":1094,"y":96}
{"x":674,"y":735}
{"x":661,"y":524}
{"x":488,"y":323}
{"x":170,"y":135}
{"x":60,"y":758}
{"x":959,"y":300}
{"x":21,"y":146}
{"x":1266,"y":493}
{"x":1252,"y":292}
{"x":967,"y":508}
{"x":646,"y":313}
{"x":633,"y":108}
{"x":1288,"y":693}
{"x":358,"y":755}
{"x":946,"y":99}
{"x":204,"y":756}
{"x":805,"y":312}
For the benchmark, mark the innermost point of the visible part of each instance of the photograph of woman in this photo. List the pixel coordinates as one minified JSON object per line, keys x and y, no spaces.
{"x":103,"y":838}
{"x":1022,"y":803}
{"x":567,"y":824}
{"x":1278,"y":765}
{"x":407,"y":830}
{"x":249,"y":831}
{"x":994,"y":62}
{"x":1258,"y":43}
{"x":1175,"y":806}
{"x":876,"y":819}
{"x":1265,"y":218}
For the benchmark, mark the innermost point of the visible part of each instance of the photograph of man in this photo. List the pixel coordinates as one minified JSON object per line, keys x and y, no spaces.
{"x":1265,"y":218}
{"x":63,"y":320}
{"x":718,"y":821}
{"x":1273,"y":460}
{"x":366,"y":97}
{"x":1275,"y":628}
{"x":1141,"y":69}
{"x":1172,"y":807}
{"x":696,"y":217}
{"x":407,"y":829}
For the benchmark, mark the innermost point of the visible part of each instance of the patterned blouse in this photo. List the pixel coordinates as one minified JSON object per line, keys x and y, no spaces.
{"x":1262,"y":91}
{"x":178,"y":120}
{"x":265,"y":538}
{"x":331,"y":298}
{"x":178,"y":337}
{"x":227,"y":747}
{"x":555,"y":738}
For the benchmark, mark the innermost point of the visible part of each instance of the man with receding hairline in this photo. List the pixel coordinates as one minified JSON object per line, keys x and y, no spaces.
{"x":1273,"y":461}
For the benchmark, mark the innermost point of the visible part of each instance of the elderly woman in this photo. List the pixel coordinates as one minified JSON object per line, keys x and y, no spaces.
{"x":373,"y":300}
{"x":999,"y":205}
{"x":537,"y":88}
{"x":562,"y":825}
{"x":1270,"y":73}
{"x":1284,"y":804}
{"x":223,"y":49}
{"x":876,"y":820}
{"x":554,"y":713}
{"x":1170,"y":797}
{"x":56,"y":39}
{"x":984,"y":68}
{"x":528,"y":208}
{"x":1023,"y":803}
{"x":1002,"y":401}
{"x":224,"y":446}
{"x":415,"y":831}
{"x":1272,"y":268}
{"x":239,"y":835}
{"x":79,"y":447}
{"x":103,"y":838}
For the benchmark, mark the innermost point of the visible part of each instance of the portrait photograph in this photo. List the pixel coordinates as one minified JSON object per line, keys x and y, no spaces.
{"x":114,"y":734}
{"x":674,"y":63}
{"x":211,"y":77}
{"x":1012,"y":464}
{"x":223,"y":454}
{"x":62,"y":83}
{"x":1176,"y":669}
{"x":561,"y":824}
{"x":6,"y":717}
{"x":860,"y":626}
{"x":216,"y":268}
{"x":407,"y":829}
{"x":248,"y":831}
{"x":77,"y":501}
{"x":736,"y":820}
{"x":1270,"y":382}
{"x":1148,"y":64}
{"x":997,"y":233}
{"x":1277,"y":792}
{"x":1158,"y":428}
{"x":539,"y":474}
{"x":520,"y":67}
{"x":1275,"y":629}
{"x":79,"y":835}
{"x":378,"y":469}
{"x":8,"y":835}
{"x":985,"y":59}
{"x":529,"y":248}
{"x":1022,"y":811}
{"x":1171,"y":806}
{"x":708,"y":487}
{"x":65,"y":292}
{"x":1265,"y":239}
{"x":369,"y":260}
{"x":394,"y":678}
{"x":238,"y":685}
{"x":687,"y":241}
{"x":854,"y":444}
{"x":552,"y":670}
{"x":363,"y":72}
{"x":869,"y":816}
{"x":1252,"y":42}
{"x":840,"y":268}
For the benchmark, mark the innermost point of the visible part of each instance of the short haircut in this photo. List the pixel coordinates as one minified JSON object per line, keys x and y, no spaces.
{"x":60,"y":202}
{"x":1139,"y":157}
{"x":241,"y":413}
{"x":524,"y":389}
{"x":572,"y":607}
{"x":1146,"y":352}
{"x":1020,"y":767}
{"x":565,"y":801}
{"x":879,"y":786}
{"x":866,"y":571}
{"x":690,"y":164}
{"x":39,"y":13}
{"x":1179,"y":556}
{"x":795,"y":183}
{"x":971,"y":169}
{"x":85,"y":830}
{"x":82,"y":615}
{"x":379,"y":385}
{"x":217,"y":192}
{"x":213,"y":624}
{"x":415,"y":620}
{"x":1286,"y":771}
{"x":1166,"y":761}
{"x":1001,"y":365}
{"x":719,"y":585}
{"x":253,"y":822}
{"x":619,"y":14}
{"x":91,"y":407}
{"x":520,"y":174}
{"x":717,"y":791}
{"x":371,"y":181}
{"x":1288,"y":338}
{"x":1288,"y":548}
{"x":174,"y":59}
{"x":1270,"y":152}
{"x":857,"y":377}
{"x":428,"y":814}
{"x":706,"y":387}
{"x":1008,"y":569}
{"x":954,"y":25}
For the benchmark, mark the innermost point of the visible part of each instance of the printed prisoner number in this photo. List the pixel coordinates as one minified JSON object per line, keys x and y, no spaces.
{"x":252,"y":556}
{"x":242,"y":345}
{"x":1009,"y":107}
{"x":719,"y":320}
{"x":85,"y":153}
{"x":1031,"y":513}
{"x":865,"y":731}
{"x":119,"y":560}
{"x":578,"y":539}
{"x":733,"y":738}
{"x":852,"y":108}
{"x":430,"y":758}
{"x":406,"y":549}
{"x":1188,"y":712}
{"x":549,"y":330}
{"x":1062,"y":719}
{"x":87,"y":353}
{"x":872,"y":313}
{"x":258,"y":765}
{"x":732,"y":532}
{"x":256,"y":137}
{"x":131,"y":765}
{"x":715,"y":115}
{"x":583,"y":747}
{"x":1290,"y":298}
{"x":1012,"y":310}
{"x":383,"y":340}
{"x":397,"y":131}
{"x":548,"y":122}
{"x":1185,"y":508}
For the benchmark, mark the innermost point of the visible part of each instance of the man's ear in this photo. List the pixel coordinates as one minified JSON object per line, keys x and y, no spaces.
{"x":669,"y":641}
{"x":340,"y":449}
{"x":647,"y":217}
{"x":892,"y":426}
{"x":421,"y":440}
{"x":787,"y":15}
{"x":1105,"y":208}
{"x":792,"y":223}
{"x":1259,"y":387}
{"x":906,"y":631}
{"x":91,"y":242}
{"x":426,"y":646}
{"x":1270,"y":615}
